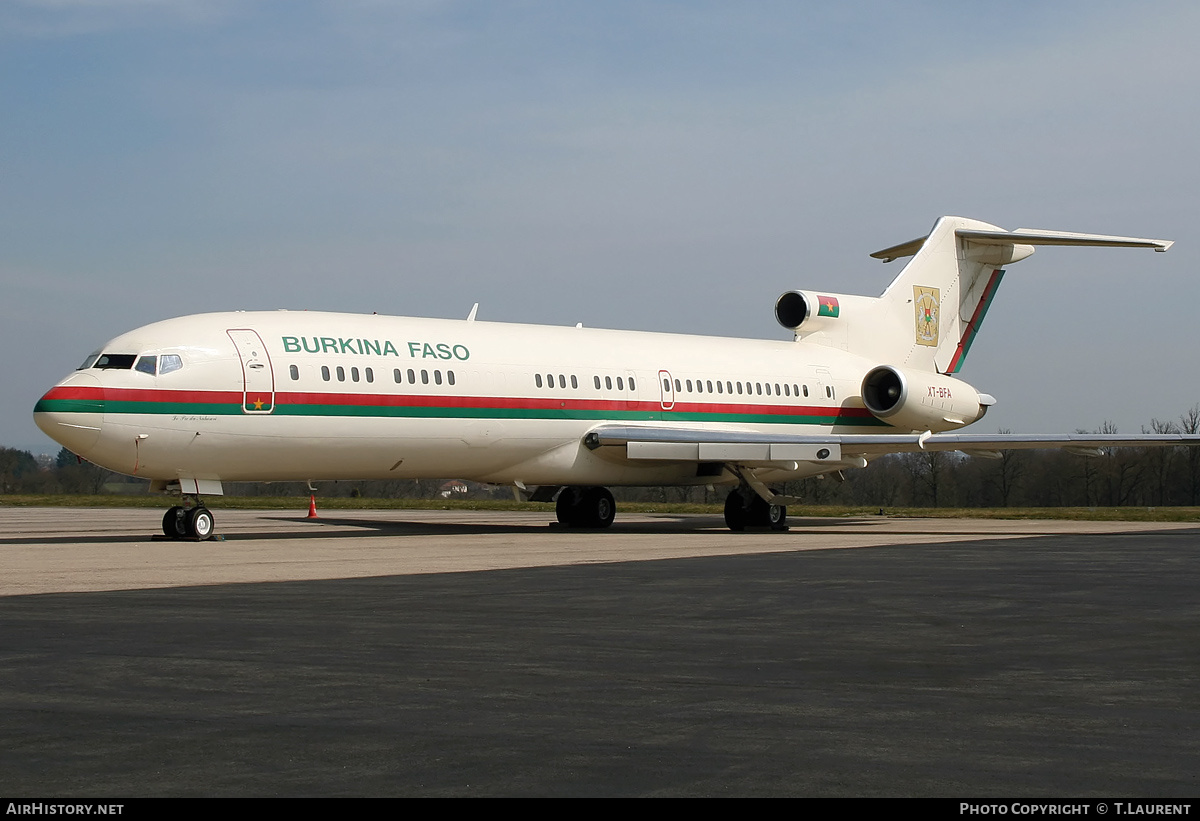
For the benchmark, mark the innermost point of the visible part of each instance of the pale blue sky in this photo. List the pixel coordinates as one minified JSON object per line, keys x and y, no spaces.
{"x":650,"y":165}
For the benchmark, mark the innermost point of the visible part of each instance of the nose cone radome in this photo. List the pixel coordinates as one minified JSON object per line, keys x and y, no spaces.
{"x":71,"y":413}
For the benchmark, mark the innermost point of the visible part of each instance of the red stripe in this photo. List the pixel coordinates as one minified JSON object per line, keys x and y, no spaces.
{"x":972,"y":327}
{"x":141,"y":394}
{"x":423,"y":400}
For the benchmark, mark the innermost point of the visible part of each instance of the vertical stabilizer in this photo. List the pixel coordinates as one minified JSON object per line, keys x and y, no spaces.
{"x":933,"y":310}
{"x":942,"y":295}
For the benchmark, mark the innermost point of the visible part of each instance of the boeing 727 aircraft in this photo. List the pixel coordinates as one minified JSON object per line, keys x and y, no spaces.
{"x":559,"y":412}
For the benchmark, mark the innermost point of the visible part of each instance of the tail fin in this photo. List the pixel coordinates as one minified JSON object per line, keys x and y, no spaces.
{"x":937,"y":303}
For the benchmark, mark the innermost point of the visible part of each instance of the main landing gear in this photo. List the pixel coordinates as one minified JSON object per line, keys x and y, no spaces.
{"x":194,"y":522}
{"x":590,"y":507}
{"x":744,"y":508}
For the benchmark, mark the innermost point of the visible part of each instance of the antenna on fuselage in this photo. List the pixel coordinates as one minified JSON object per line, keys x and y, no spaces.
{"x":474,"y":310}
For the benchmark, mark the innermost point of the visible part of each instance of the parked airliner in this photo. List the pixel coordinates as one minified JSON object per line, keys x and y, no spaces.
{"x":559,"y":413}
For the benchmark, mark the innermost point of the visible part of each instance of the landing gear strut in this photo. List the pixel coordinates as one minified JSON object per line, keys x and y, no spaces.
{"x":590,"y":507}
{"x":744,"y":508}
{"x":194,"y":522}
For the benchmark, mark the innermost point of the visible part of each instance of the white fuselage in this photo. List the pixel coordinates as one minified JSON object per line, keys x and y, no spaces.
{"x":272,"y":396}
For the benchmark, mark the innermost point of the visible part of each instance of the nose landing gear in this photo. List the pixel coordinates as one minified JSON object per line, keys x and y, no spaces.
{"x":195,"y":522}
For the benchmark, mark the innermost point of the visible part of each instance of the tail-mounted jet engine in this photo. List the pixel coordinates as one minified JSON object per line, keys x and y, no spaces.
{"x":794,"y":309}
{"x":922,"y":401}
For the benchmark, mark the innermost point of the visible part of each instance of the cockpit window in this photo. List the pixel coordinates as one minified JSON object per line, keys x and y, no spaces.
{"x":116,"y":361}
{"x":147,"y":364}
{"x":91,"y":360}
{"x":169,"y":362}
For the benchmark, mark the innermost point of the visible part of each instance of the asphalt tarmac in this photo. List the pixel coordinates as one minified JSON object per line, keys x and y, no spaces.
{"x":414,"y":653}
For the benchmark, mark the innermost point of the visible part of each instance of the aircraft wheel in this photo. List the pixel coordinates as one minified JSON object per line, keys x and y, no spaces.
{"x":759,"y":514}
{"x":598,"y":507}
{"x":566,"y":509}
{"x":735,"y":511}
{"x":777,"y":517}
{"x":173,"y":524}
{"x":762,"y":514}
{"x":200,"y":523}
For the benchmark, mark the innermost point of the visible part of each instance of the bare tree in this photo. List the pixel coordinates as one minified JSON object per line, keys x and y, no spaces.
{"x":1007,"y":472}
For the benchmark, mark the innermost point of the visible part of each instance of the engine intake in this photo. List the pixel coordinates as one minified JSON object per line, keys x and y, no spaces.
{"x":791,"y":309}
{"x":921,"y":401}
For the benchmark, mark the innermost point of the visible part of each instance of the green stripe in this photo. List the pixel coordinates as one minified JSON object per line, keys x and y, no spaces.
{"x":771,"y":418}
{"x":110,"y":406}
{"x":431,"y":412}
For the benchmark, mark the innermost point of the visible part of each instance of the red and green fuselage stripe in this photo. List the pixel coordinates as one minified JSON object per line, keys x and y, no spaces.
{"x":972,"y":329}
{"x":230,"y":403}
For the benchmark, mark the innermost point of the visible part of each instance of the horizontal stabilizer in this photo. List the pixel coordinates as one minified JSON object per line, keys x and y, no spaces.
{"x":1035,"y":236}
{"x":1027,"y":236}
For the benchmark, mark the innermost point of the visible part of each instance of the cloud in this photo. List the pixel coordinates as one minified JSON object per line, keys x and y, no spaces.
{"x":664,"y":166}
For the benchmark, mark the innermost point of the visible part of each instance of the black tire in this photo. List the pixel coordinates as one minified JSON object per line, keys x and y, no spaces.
{"x":200,"y":523}
{"x":566,"y":509}
{"x":597,"y":507}
{"x":759,"y":514}
{"x":173,"y":524}
{"x":777,"y":517}
{"x":735,"y":511}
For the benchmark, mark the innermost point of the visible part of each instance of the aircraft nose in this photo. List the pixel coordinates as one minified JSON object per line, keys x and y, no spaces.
{"x":70,"y":413}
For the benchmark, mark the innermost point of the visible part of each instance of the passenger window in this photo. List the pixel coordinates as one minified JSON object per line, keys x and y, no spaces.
{"x":169,"y":362}
{"x":574,"y":382}
{"x":678,"y":387}
{"x":620,"y":384}
{"x":450,"y":377}
{"x":806,"y":390}
{"x":325,"y":372}
{"x":728,"y":387}
{"x":147,"y":364}
{"x":777,"y":389}
{"x":719,"y":386}
{"x":699,"y":386}
{"x":562,"y":381}
{"x":537,"y":379}
{"x":631,"y":386}
{"x":424,"y":377}
{"x":739,"y":387}
{"x":341,"y":372}
{"x":354,"y":374}
{"x":437,"y":377}
{"x":758,"y":388}
{"x":397,"y":375}
{"x":667,"y":385}
{"x":370,"y":375}
{"x":292,"y":369}
{"x":412,"y":377}
{"x":596,"y":379}
{"x":608,"y":382}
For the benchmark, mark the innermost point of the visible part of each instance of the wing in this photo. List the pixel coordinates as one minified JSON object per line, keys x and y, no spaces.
{"x":745,"y":453}
{"x":780,"y":450}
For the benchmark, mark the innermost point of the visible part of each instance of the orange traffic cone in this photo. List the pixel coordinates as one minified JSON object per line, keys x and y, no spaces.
{"x":312,"y":507}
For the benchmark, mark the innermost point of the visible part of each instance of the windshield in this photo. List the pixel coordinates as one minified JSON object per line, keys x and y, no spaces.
{"x":122,"y":361}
